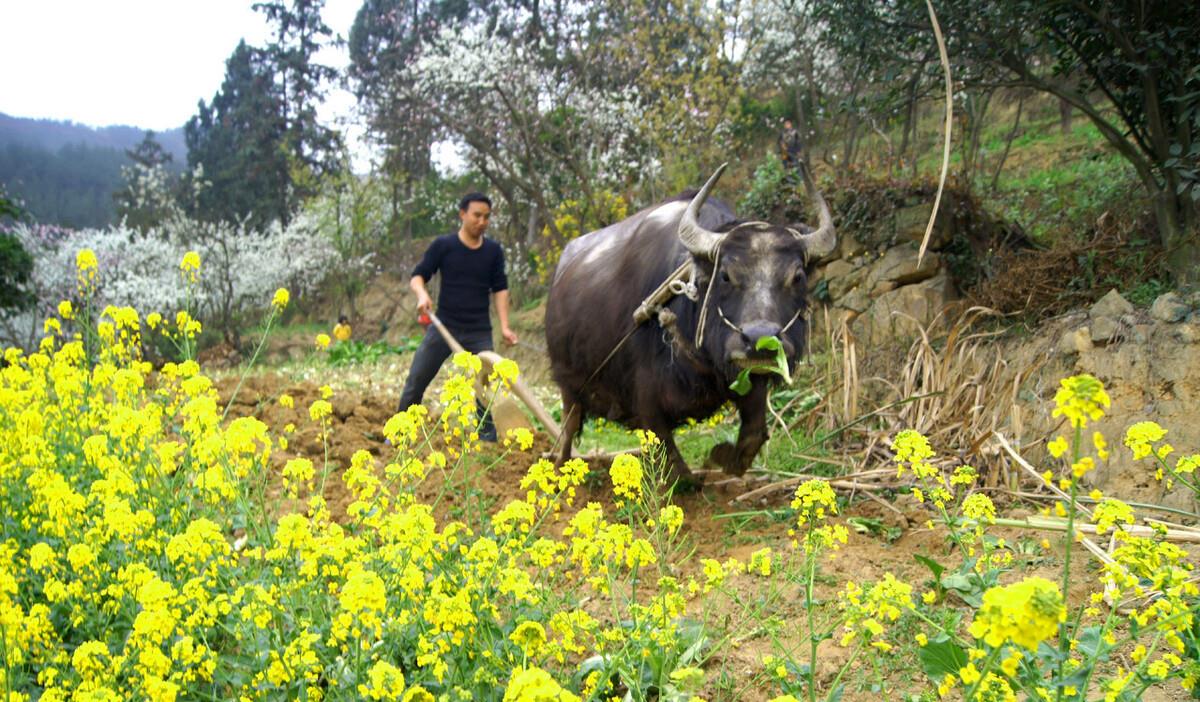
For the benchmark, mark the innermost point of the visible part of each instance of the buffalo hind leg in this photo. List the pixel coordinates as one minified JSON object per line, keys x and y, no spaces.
{"x":752,"y":408}
{"x":571,"y":423}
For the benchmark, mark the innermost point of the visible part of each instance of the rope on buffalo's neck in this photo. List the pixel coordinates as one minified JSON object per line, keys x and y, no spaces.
{"x":708,"y":293}
{"x":780,"y":333}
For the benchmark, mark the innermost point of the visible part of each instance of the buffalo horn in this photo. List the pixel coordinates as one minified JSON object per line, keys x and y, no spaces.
{"x":819,"y":243}
{"x":698,"y":240}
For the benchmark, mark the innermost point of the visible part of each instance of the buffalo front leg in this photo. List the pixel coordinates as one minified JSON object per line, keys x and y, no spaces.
{"x":752,"y":408}
{"x":677,"y":468}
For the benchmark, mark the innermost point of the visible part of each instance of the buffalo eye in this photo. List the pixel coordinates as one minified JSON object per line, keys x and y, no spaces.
{"x":725,"y":277}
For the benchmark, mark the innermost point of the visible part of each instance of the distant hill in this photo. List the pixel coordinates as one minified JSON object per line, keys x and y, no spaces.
{"x":66,"y":173}
{"x":53,"y":135}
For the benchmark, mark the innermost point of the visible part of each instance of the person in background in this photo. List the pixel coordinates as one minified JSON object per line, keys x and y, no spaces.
{"x":791,"y":148}
{"x":342,"y":331}
{"x":472,"y":268}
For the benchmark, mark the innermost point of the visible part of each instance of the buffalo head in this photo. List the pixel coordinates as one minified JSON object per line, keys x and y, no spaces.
{"x":753,"y":281}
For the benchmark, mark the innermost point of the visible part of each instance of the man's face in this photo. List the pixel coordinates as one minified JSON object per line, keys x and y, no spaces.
{"x":787,"y":124}
{"x":475,"y":218}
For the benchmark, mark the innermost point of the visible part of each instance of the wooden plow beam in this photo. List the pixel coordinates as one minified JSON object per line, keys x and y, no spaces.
{"x":518,"y":386}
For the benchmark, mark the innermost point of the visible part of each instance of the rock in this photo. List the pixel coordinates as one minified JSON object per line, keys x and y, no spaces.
{"x":1170,"y":308}
{"x":850,"y":246}
{"x":1111,"y":305}
{"x":899,"y":265}
{"x":1188,"y":333}
{"x":885,"y":287}
{"x":909,"y":224}
{"x":1104,"y":329}
{"x":843,"y":277}
{"x":1076,"y":341}
{"x":896,"y":314}
{"x":855,"y":300}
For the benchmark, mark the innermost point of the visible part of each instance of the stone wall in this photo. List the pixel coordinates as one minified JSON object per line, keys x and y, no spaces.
{"x":875,"y":281}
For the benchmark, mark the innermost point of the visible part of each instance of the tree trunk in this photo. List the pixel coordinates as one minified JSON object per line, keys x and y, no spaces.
{"x":1064,"y":116}
{"x":1180,"y":236}
{"x":408,"y":218}
{"x":532,"y":227}
{"x":1012,"y":134}
{"x":802,"y":120}
{"x":813,"y":99}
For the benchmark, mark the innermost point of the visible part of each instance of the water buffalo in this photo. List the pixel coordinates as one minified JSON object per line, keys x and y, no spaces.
{"x":658,"y":374}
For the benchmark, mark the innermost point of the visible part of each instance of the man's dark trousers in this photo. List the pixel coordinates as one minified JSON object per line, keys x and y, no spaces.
{"x":430,"y":356}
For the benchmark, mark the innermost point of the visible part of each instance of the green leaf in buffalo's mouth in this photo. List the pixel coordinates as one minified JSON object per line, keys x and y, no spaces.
{"x":777,"y":365}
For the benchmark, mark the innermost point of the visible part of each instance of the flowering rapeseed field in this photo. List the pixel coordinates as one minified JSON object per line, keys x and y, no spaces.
{"x":141,"y":558}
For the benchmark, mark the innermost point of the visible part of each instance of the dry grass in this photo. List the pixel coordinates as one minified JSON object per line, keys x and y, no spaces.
{"x":1072,"y":273}
{"x":953,"y":384}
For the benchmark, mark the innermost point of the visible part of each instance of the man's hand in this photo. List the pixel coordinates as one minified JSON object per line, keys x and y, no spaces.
{"x":424,"y":303}
{"x":510,"y":336}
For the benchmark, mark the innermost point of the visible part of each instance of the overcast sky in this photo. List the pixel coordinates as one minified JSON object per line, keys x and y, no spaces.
{"x":144,"y":63}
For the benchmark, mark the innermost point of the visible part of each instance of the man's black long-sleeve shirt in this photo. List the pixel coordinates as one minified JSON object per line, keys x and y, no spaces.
{"x":468,"y":277}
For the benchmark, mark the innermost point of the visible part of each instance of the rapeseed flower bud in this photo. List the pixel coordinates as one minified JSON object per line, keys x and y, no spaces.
{"x":1111,"y":512}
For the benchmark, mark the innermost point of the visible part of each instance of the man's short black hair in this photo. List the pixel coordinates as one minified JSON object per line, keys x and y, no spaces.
{"x":467,"y":199}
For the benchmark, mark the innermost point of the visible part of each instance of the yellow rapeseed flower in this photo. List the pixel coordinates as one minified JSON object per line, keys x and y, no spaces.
{"x":533,"y":684}
{"x":1080,"y":398}
{"x":979,"y":507}
{"x":626,"y":475}
{"x":994,"y":689}
{"x":322,"y":341}
{"x":506,"y":370}
{"x":521,"y":436}
{"x":760,"y":562}
{"x":1024,"y":613}
{"x":280,"y":299}
{"x":1110,"y":513}
{"x":189,"y":266}
{"x":385,"y":682}
{"x":530,"y":637}
{"x":671,"y":516}
{"x":468,"y":362}
{"x":319,"y":409}
{"x":86,"y":264}
{"x":1142,"y":436}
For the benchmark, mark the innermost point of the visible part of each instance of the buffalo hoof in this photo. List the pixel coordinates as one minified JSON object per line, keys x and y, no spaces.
{"x":724,"y":457}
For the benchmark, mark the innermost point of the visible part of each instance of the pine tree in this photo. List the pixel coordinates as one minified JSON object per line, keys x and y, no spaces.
{"x":300,"y":82}
{"x":238,"y":144}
